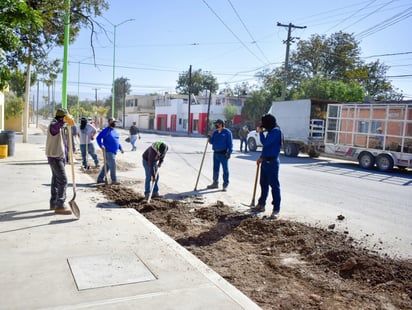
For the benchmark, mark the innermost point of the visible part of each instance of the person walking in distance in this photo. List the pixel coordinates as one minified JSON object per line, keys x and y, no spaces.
{"x":243,"y":132}
{"x":152,"y":159}
{"x":56,"y":152}
{"x":222,"y":145}
{"x":87,"y":135}
{"x":134,"y":133}
{"x":269,"y":163}
{"x":108,"y":141}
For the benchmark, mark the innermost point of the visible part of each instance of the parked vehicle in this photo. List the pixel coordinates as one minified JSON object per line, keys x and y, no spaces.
{"x":302,"y":124}
{"x":372,"y":134}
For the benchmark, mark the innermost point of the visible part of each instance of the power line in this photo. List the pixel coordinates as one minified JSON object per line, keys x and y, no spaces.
{"x":247,"y":30}
{"x":231,"y":31}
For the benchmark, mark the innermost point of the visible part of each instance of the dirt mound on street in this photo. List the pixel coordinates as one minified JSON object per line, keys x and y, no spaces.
{"x":279,"y":264}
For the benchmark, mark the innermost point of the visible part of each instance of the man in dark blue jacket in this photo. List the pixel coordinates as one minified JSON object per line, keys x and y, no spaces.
{"x":222,"y":144}
{"x":269,"y":163}
{"x":108,"y":141}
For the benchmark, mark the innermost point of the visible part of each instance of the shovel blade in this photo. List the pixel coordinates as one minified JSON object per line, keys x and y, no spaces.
{"x":75,"y":209}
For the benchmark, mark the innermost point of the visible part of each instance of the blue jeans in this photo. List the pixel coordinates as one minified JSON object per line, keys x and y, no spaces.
{"x":58,"y":184}
{"x":220,"y":159}
{"x":148,"y":178}
{"x":111,"y":167}
{"x":133,"y":139}
{"x":90,"y":151}
{"x":269,"y":176}
{"x":241,"y":144}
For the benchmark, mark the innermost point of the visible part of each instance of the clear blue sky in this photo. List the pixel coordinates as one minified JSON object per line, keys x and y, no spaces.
{"x":232,"y":39}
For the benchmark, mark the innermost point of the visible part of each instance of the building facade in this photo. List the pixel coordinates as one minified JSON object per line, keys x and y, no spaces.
{"x":170,"y":112}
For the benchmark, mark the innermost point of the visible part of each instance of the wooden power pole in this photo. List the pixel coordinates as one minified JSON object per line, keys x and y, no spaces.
{"x":288,"y":41}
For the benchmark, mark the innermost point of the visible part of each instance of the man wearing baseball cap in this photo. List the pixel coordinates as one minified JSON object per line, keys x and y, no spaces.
{"x":56,"y":152}
{"x":222,"y":144}
{"x":108,"y":141}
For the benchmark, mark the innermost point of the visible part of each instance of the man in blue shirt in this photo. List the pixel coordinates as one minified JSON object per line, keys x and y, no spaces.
{"x":108,"y":141}
{"x":269,"y":163}
{"x":222,"y":144}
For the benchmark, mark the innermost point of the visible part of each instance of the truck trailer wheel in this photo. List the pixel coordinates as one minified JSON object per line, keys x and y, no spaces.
{"x":384,"y":162}
{"x":366,"y":160}
{"x":251,"y":143}
{"x":291,"y":150}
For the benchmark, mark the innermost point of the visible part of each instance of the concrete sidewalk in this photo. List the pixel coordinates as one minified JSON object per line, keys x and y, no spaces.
{"x":111,"y":258}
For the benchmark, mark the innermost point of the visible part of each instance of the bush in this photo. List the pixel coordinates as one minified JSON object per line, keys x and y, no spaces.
{"x":13,"y":106}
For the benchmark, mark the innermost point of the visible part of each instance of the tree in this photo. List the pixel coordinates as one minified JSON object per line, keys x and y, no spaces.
{"x":16,"y":18}
{"x":122,"y":88}
{"x":256,"y":105}
{"x":320,"y":87}
{"x":39,"y":26}
{"x":230,"y":112}
{"x":200,"y":81}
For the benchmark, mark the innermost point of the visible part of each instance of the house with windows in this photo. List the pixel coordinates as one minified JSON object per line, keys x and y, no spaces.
{"x":172,"y":112}
{"x":169,"y":112}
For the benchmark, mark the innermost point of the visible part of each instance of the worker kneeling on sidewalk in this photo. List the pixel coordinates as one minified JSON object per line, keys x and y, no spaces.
{"x":56,"y":152}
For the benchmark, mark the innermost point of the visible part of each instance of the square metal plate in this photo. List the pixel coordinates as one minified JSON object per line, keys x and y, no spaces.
{"x":108,"y":270}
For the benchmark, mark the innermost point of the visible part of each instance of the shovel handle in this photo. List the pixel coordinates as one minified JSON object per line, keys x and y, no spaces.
{"x":153,"y":185}
{"x":252,"y":204}
{"x":201,"y":163}
{"x":69,"y":130}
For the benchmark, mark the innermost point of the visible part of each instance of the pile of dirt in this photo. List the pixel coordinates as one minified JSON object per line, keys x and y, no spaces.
{"x":279,"y":264}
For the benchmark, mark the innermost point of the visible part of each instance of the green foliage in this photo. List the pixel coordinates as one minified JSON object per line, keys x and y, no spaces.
{"x":30,"y":29}
{"x":230,"y":112}
{"x":200,"y":81}
{"x":13,"y":106}
{"x":323,"y":88}
{"x":256,"y":105}
{"x":329,"y":68}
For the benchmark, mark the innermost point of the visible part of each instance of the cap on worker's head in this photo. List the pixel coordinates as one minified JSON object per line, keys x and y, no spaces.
{"x":379,"y":129}
{"x":61,"y":112}
{"x":268,"y":121}
{"x":112,"y":120}
{"x":219,"y":121}
{"x":161,"y":147}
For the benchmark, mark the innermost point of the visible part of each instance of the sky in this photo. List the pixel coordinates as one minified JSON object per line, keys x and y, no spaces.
{"x":157,"y":40}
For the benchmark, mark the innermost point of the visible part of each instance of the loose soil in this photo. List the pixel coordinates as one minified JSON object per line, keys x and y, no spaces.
{"x":279,"y":264}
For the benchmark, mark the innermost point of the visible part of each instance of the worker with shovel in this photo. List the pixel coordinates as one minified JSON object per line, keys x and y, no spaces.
{"x":222,"y":144}
{"x":56,"y":152}
{"x":269,"y":163}
{"x":152,"y":159}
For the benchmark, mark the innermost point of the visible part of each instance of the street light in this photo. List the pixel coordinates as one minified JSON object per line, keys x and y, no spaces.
{"x":114,"y":55}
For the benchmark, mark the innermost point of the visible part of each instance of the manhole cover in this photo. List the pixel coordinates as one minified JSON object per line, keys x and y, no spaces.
{"x":108,"y":270}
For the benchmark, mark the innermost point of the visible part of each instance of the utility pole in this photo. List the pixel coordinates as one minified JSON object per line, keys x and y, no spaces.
{"x":288,"y":41}
{"x":95,"y":94}
{"x":190,"y":96}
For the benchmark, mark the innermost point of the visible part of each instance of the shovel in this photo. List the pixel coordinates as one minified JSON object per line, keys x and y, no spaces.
{"x":252,"y":204}
{"x":153,"y":185}
{"x":201,"y":164}
{"x":73,"y":205}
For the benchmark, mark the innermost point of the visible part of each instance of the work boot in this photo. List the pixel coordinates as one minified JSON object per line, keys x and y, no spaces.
{"x":213,"y":185}
{"x":259,"y":208}
{"x":274,"y":215}
{"x":63,"y":210}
